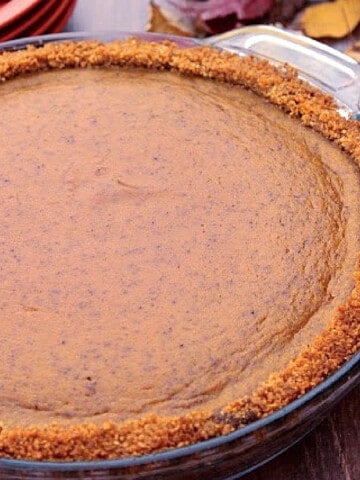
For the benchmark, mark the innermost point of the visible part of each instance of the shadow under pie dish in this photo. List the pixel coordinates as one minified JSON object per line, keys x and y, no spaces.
{"x":179,"y":255}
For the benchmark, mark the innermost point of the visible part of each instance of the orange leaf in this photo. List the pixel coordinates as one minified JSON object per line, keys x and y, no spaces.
{"x":160,"y":23}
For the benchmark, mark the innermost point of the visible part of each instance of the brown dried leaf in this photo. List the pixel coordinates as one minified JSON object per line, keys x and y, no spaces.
{"x":331,"y":19}
{"x":354,"y":51}
{"x":160,"y":23}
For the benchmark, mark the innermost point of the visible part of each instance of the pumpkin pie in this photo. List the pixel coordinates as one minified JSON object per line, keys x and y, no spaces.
{"x":179,"y":246}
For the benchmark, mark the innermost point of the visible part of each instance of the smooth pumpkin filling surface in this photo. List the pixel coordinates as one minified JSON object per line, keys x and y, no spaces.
{"x":177,"y":253}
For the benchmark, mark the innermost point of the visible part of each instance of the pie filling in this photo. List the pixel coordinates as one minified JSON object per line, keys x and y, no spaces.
{"x":167,"y":243}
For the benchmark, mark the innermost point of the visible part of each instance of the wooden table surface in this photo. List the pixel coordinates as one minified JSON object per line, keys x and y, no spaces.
{"x":331,"y":451}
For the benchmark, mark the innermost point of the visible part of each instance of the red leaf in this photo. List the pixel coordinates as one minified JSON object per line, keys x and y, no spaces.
{"x":211,"y":9}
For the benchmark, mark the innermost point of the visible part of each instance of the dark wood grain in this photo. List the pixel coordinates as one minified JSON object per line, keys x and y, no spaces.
{"x":331,"y":451}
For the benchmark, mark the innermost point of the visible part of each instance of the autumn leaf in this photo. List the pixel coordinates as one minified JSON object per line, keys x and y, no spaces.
{"x":217,"y":16}
{"x":331,"y":19}
{"x":161,"y":23}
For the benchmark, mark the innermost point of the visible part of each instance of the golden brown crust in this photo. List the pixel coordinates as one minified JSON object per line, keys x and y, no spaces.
{"x":324,"y":356}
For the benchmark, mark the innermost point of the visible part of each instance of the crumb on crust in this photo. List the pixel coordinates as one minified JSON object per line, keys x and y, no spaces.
{"x":326,"y":354}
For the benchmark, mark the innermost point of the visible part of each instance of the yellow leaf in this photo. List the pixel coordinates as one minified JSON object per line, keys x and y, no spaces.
{"x":331,"y":19}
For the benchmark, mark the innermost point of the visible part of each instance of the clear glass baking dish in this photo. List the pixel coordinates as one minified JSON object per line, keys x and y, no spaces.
{"x":233,"y":455}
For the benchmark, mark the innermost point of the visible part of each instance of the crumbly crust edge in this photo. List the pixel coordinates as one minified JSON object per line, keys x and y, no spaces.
{"x":325,"y":355}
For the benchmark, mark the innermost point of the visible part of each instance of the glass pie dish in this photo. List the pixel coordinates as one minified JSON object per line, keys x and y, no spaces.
{"x":234,"y":454}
